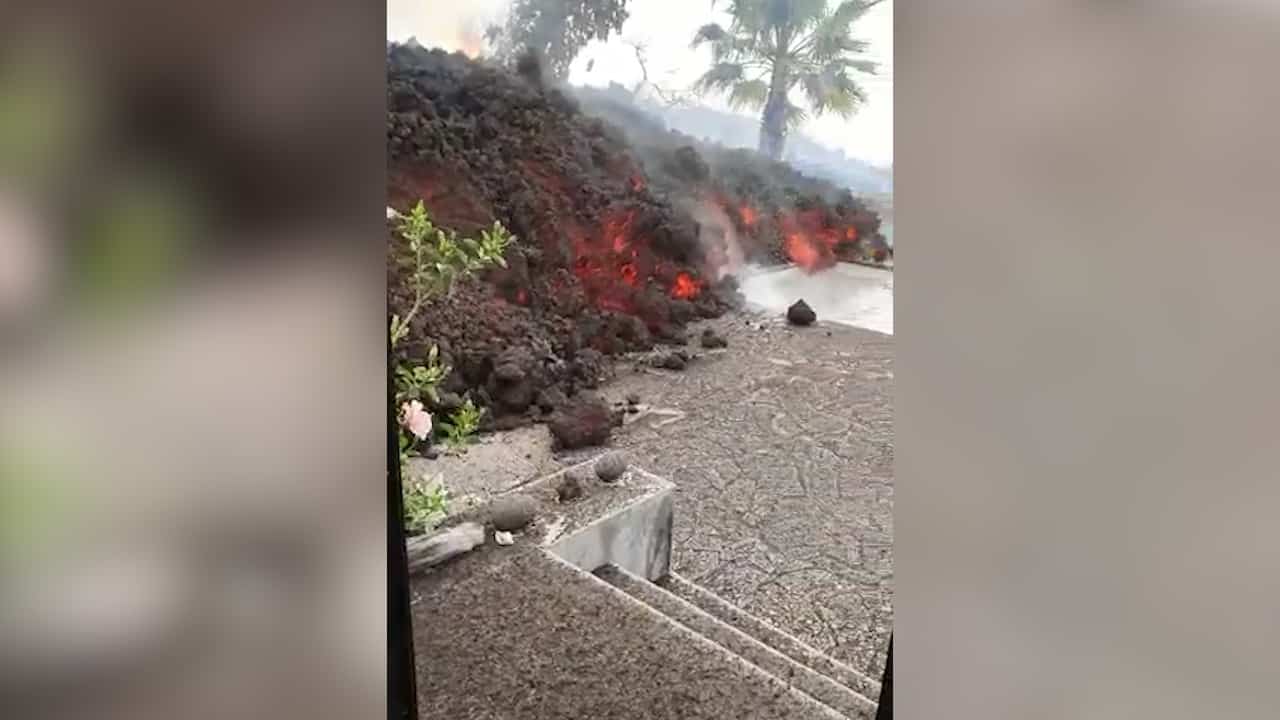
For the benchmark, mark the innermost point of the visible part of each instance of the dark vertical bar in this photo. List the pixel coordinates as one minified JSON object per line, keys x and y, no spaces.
{"x":402,"y":693}
{"x":885,"y":711}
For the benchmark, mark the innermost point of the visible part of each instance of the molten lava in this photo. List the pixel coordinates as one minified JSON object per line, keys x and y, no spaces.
{"x":748,"y":215}
{"x":811,"y":239}
{"x":802,"y":252}
{"x":685,"y":287}
{"x":615,"y":265}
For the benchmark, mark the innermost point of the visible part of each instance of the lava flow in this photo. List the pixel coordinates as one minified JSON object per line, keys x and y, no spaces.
{"x":685,"y":287}
{"x":810,"y":241}
{"x":616,"y":263}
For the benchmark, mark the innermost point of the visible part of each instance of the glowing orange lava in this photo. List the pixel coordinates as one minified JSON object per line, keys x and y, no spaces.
{"x":685,"y":287}
{"x":748,"y":215}
{"x":630,"y":275}
{"x":802,"y":252}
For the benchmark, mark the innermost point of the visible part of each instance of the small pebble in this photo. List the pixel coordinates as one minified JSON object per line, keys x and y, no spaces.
{"x":712,"y":340}
{"x":504,"y":538}
{"x":569,"y":488}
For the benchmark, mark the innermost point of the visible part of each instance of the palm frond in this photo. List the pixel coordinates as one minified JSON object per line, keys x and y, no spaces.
{"x":753,"y":17}
{"x":833,"y":91}
{"x":802,"y":14}
{"x":749,"y":94}
{"x":721,"y":77}
{"x":709,"y":33}
{"x":830,"y":37}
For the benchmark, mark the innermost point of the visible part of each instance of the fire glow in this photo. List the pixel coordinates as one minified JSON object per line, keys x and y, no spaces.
{"x":685,"y":288}
{"x":810,"y":242}
{"x":616,"y":262}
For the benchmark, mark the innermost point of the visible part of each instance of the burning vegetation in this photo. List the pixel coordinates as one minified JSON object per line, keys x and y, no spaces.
{"x":618,"y":246}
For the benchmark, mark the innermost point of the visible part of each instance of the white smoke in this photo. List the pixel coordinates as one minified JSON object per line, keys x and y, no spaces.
{"x":455,"y":27}
{"x":717,"y":237}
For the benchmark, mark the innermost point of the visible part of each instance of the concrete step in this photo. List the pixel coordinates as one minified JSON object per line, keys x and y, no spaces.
{"x":516,"y":633}
{"x":767,"y":634}
{"x":835,"y":695}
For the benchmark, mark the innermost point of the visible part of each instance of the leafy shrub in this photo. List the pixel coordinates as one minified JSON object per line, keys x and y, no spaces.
{"x":435,"y":259}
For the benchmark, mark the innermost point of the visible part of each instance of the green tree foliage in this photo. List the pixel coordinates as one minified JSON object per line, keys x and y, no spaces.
{"x":773,"y":47}
{"x":555,"y":30}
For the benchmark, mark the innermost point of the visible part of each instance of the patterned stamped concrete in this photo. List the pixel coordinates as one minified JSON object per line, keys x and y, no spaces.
{"x":781,"y":450}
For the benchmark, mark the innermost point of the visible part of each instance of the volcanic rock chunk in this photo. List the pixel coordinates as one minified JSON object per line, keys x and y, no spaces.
{"x":682,"y":311}
{"x":508,"y":373}
{"x":551,"y":398}
{"x":583,"y":422}
{"x":633,"y":398}
{"x":711,"y":340}
{"x":801,"y":314}
{"x":445,"y":403}
{"x":590,"y":367}
{"x":672,"y":360}
{"x":515,"y":397}
{"x":512,"y":512}
{"x":671,"y":334}
{"x":610,"y":467}
{"x":570,"y":488}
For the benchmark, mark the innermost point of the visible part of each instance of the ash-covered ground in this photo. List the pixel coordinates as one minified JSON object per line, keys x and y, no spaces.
{"x":781,"y":449}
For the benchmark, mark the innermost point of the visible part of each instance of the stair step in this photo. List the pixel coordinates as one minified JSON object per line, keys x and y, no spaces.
{"x":763,"y":632}
{"x":834,"y":695}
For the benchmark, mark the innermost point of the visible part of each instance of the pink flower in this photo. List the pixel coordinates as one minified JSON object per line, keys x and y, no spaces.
{"x":416,"y":419}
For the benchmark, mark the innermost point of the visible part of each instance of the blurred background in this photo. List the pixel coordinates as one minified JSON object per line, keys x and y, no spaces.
{"x":192,"y":353}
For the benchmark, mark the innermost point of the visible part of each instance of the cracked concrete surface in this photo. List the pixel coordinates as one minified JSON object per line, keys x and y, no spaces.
{"x":781,"y":450}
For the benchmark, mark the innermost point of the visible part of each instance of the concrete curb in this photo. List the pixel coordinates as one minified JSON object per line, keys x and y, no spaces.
{"x":636,"y":536}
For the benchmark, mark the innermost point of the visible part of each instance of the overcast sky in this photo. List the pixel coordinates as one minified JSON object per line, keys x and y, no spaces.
{"x":666,"y":27}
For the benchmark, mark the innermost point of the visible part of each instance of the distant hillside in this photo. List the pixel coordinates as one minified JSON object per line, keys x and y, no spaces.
{"x":802,"y":152}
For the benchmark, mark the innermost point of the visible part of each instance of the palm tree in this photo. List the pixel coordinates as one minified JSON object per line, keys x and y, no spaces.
{"x":772,"y":46}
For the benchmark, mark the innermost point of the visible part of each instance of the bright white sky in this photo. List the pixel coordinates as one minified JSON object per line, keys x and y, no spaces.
{"x":666,"y":27}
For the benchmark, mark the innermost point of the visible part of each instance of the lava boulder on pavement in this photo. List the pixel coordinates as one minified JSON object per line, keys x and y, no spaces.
{"x":513,"y":512}
{"x":801,"y":314}
{"x":585,"y":421}
{"x":611,"y":467}
{"x":711,"y":340}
